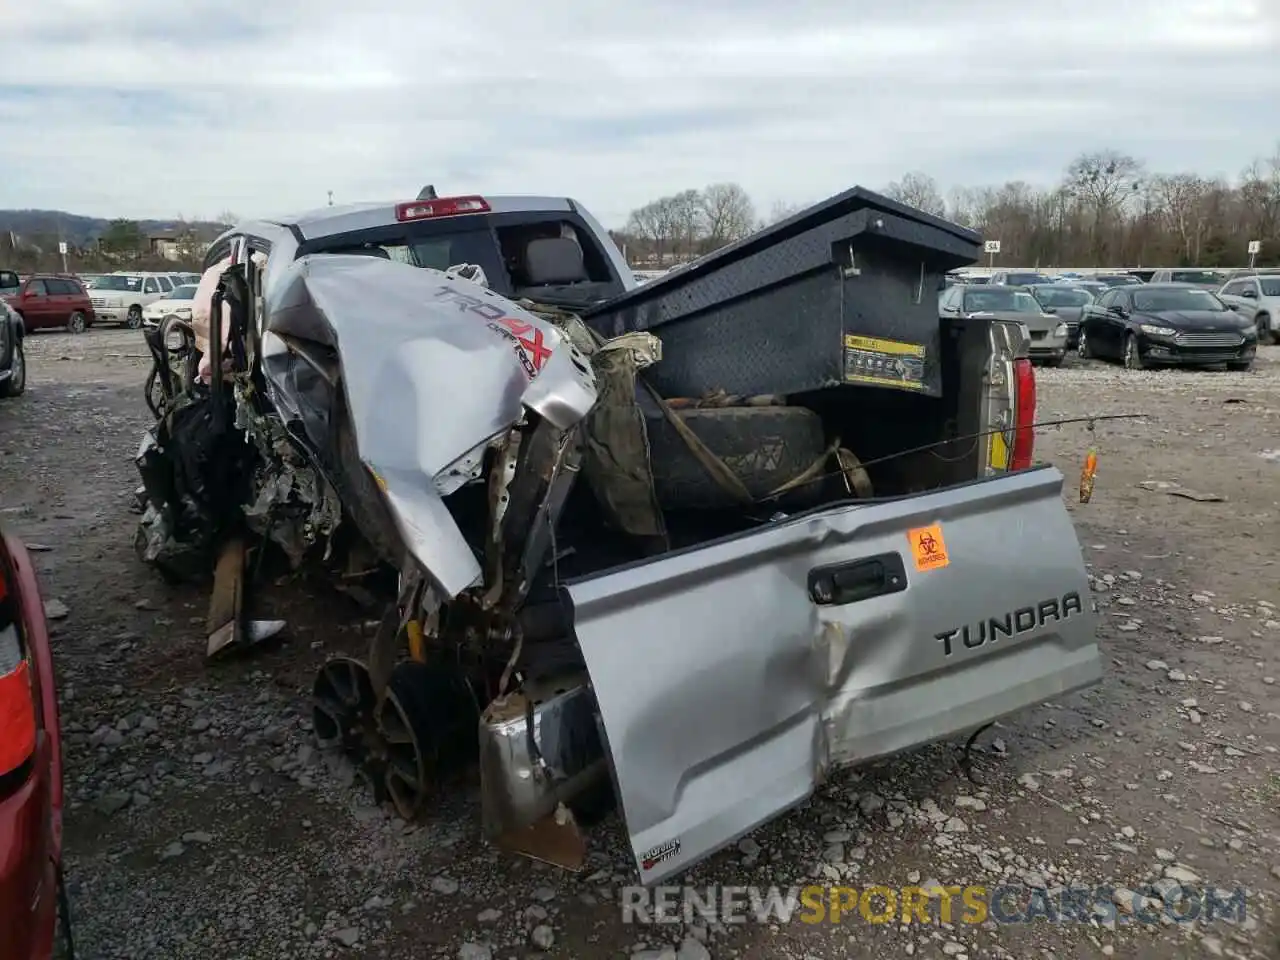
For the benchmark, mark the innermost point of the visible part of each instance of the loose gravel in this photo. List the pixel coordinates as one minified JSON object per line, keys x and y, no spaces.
{"x":203,"y":823}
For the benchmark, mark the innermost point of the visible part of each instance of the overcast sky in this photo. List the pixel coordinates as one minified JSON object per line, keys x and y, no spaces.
{"x":153,"y":108}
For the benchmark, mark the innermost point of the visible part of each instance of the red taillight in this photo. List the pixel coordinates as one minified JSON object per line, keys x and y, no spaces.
{"x":17,"y":704}
{"x":1024,"y":415}
{"x":442,"y":207}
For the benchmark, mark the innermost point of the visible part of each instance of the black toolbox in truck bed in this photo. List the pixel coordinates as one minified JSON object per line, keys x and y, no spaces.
{"x":846,"y":291}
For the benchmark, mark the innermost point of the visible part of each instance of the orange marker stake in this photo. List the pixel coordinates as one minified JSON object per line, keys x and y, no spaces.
{"x":1087,"y":474}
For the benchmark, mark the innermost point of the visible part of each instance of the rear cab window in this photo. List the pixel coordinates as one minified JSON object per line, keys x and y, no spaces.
{"x":498,"y":243}
{"x":9,"y":280}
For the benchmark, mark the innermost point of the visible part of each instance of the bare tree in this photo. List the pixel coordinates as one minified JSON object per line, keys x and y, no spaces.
{"x":687,"y":222}
{"x":780,"y":211}
{"x":1105,"y":212}
{"x":918,"y":190}
{"x":646,"y":224}
{"x":727,"y":213}
{"x":964,"y":206}
{"x":1260,"y":193}
{"x":1106,"y":179}
{"x":1181,"y":198}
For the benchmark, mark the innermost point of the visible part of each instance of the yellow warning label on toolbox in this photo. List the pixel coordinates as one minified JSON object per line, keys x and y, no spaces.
{"x":886,"y":363}
{"x":876,"y":345}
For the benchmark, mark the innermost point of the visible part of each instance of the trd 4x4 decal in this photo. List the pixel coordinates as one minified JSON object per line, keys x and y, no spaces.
{"x":531,"y":345}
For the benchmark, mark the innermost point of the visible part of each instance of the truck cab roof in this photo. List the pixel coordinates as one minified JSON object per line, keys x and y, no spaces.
{"x":546,"y":248}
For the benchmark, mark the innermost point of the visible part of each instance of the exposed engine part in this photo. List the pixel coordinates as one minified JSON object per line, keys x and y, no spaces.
{"x":539,"y":748}
{"x":174,"y":362}
{"x":422,"y":731}
{"x":548,"y":468}
{"x":194,"y":475}
{"x":293,"y":504}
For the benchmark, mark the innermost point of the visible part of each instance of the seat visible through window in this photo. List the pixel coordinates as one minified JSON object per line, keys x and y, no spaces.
{"x":553,"y":260}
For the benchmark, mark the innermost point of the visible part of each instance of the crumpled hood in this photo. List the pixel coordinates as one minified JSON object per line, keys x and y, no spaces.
{"x":433,"y":367}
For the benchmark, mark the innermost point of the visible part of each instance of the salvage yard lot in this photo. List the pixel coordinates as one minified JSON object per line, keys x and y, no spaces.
{"x":201,"y":822}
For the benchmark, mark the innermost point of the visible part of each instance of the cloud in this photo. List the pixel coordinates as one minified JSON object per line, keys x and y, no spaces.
{"x":148,"y":108}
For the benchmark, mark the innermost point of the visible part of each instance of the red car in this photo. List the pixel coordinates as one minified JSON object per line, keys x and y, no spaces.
{"x":44,"y":300}
{"x":32,"y":895}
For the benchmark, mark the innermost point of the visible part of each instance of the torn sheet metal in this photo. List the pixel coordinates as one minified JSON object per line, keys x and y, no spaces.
{"x":432,"y":366}
{"x":538,"y":747}
{"x":294,"y":505}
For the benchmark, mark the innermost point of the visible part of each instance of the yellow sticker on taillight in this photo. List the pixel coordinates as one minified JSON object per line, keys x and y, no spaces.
{"x":998,"y":452}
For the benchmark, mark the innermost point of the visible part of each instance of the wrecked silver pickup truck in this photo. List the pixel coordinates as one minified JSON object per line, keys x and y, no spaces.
{"x":694,"y":545}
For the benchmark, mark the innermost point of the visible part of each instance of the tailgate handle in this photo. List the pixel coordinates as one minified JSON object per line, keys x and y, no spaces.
{"x":856,"y":580}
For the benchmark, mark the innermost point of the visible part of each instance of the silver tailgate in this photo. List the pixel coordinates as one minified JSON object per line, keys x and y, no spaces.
{"x":727,"y":691}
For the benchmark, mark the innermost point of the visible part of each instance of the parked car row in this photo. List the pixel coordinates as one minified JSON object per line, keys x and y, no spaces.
{"x":46,"y":301}
{"x":1141,"y":324}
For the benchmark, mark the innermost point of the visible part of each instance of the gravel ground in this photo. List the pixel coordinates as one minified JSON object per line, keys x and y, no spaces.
{"x":203,"y":824}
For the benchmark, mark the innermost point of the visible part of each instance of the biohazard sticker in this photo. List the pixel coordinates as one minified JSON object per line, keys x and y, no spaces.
{"x":885,"y":363}
{"x":928,"y":547}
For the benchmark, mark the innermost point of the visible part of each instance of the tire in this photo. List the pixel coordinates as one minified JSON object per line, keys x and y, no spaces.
{"x":134,"y":318}
{"x":1265,"y":333}
{"x":764,"y":446}
{"x":1082,"y":345}
{"x":76,"y":323}
{"x":1053,"y":361}
{"x":16,"y":385}
{"x":1132,"y":355}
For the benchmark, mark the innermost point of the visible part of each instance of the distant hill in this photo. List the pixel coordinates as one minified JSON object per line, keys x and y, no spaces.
{"x":81,"y":231}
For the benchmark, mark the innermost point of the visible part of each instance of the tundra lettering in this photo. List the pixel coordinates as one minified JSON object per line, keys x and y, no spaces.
{"x":1011,"y":623}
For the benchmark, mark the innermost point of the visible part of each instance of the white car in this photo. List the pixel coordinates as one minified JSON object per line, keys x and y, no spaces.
{"x":1257,"y":297}
{"x":121,"y":297}
{"x":176,"y":304}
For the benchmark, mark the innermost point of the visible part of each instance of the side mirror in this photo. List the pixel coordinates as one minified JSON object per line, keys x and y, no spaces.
{"x":1049,"y":309}
{"x":1251,"y":294}
{"x":29,"y":294}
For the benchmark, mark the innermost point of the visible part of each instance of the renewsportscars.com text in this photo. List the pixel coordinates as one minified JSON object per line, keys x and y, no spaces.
{"x":974,"y":904}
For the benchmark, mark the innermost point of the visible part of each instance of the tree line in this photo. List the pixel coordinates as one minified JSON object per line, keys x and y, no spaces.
{"x":122,"y":244}
{"x":1109,"y":209}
